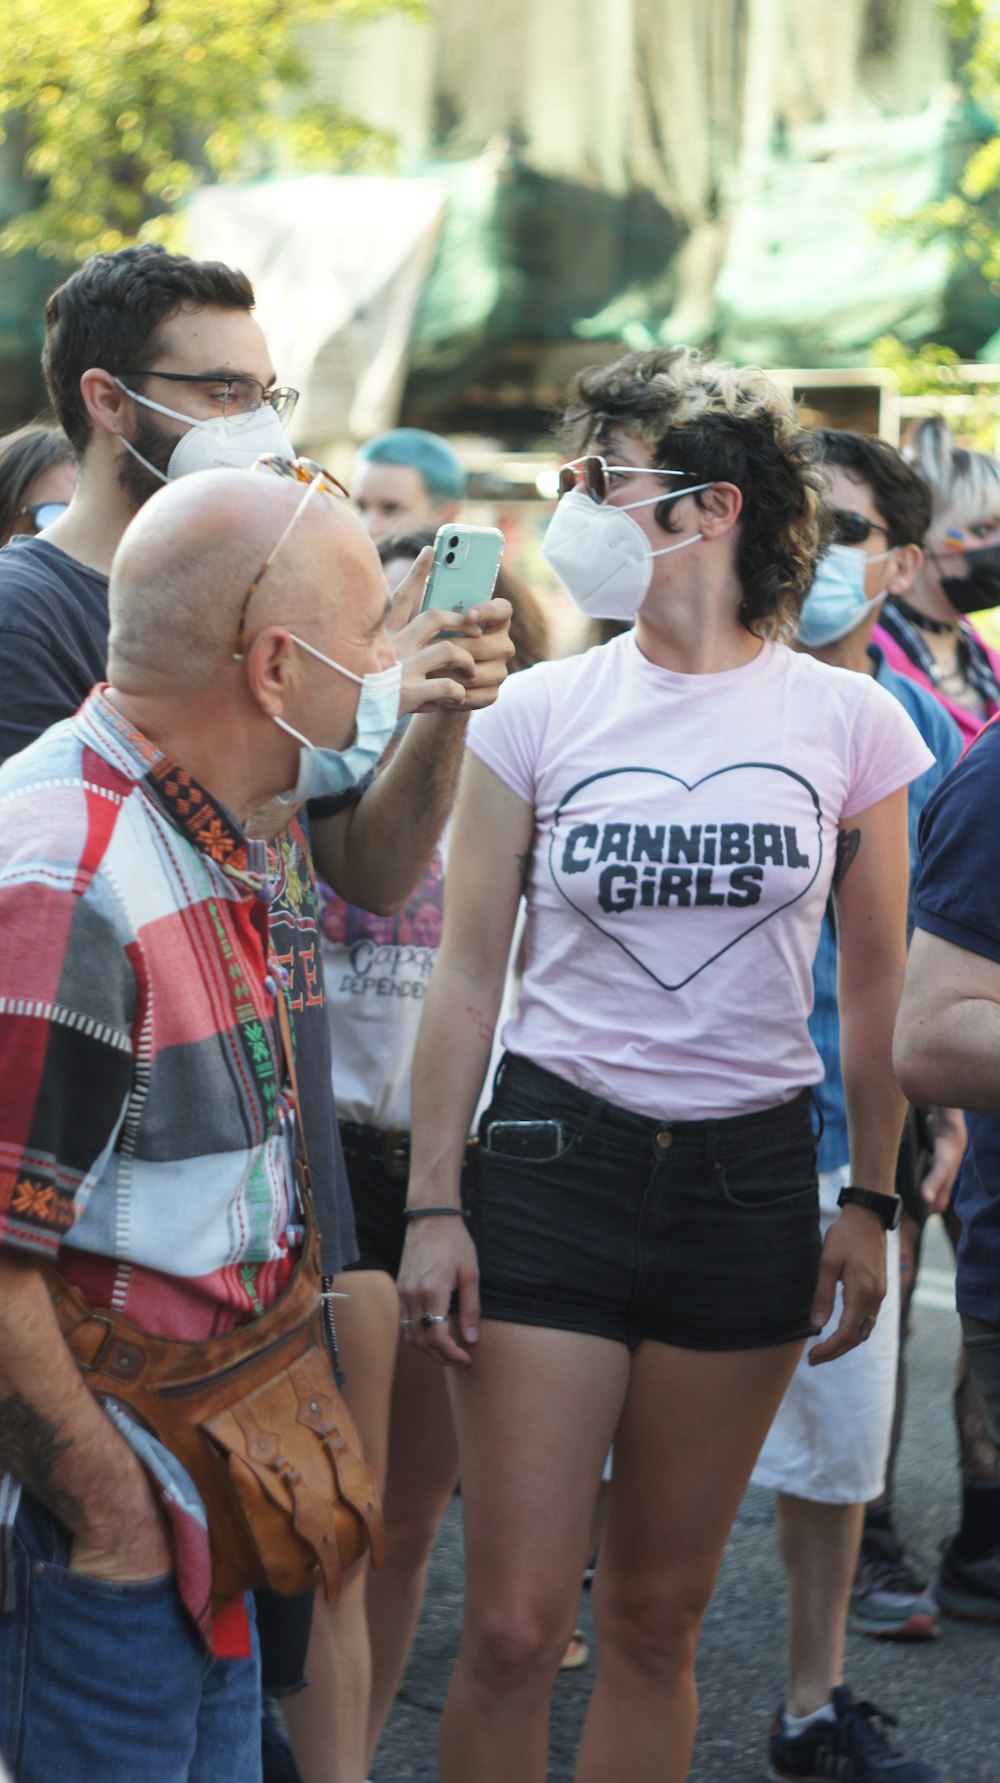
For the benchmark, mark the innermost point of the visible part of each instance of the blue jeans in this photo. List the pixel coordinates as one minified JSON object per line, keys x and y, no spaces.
{"x":105,"y":1683}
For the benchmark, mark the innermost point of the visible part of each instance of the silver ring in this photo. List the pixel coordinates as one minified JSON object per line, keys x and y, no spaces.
{"x":406,"y":1324}
{"x":867,"y":1326}
{"x":427,"y":1319}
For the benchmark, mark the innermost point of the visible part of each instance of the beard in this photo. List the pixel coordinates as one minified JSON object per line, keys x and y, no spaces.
{"x":156,"y":444}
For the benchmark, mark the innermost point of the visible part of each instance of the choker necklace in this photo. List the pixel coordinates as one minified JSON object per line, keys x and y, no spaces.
{"x":923,"y":621}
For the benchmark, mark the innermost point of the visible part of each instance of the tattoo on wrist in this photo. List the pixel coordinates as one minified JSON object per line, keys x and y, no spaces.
{"x":30,"y":1445}
{"x":483,"y":1028}
{"x":848,"y":843}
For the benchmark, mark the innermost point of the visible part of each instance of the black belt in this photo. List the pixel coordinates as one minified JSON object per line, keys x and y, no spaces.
{"x":388,"y":1147}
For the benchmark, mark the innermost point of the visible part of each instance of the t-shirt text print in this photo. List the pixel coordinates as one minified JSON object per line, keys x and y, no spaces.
{"x":685,"y":837}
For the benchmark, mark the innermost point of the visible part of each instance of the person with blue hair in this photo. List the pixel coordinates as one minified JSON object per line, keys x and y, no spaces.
{"x":407,"y":479}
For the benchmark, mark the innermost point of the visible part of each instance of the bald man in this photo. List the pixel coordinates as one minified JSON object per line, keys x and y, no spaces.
{"x":140,"y":1146}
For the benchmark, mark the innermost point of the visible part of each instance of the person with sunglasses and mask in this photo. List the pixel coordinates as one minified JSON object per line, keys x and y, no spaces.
{"x":641,"y":1261}
{"x":926,"y":633}
{"x":830,"y":1449}
{"x":37,"y":480}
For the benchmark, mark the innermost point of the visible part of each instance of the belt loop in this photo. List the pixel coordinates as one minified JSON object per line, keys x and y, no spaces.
{"x":592,"y":1119}
{"x":712,"y":1144}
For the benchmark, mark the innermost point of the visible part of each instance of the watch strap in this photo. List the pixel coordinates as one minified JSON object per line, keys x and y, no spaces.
{"x":887,"y":1208}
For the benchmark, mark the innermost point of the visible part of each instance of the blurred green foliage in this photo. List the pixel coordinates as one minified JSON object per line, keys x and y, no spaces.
{"x":123,"y":106}
{"x":967,"y":219}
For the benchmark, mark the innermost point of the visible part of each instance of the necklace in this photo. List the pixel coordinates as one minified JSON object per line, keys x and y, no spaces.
{"x":923,"y":621}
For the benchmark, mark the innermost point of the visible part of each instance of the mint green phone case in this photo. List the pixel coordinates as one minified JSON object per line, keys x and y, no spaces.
{"x":464,"y":571}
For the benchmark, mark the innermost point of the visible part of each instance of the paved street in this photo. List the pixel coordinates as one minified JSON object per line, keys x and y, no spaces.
{"x":945,"y":1692}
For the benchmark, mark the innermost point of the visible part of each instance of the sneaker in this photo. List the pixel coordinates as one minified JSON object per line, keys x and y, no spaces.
{"x":850,"y":1749}
{"x":889,"y":1597}
{"x":969,"y":1588}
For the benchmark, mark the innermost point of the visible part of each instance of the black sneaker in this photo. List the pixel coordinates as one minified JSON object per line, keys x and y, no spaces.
{"x":969,"y":1589}
{"x":849,"y":1749}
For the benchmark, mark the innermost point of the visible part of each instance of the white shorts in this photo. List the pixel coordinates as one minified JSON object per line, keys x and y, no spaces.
{"x":830,"y":1440}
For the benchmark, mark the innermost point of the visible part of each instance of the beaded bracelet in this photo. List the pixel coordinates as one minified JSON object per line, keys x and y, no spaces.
{"x":419,"y":1213}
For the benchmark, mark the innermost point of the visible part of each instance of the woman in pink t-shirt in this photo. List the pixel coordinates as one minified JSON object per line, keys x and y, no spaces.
{"x":927,"y":635}
{"x":641,"y":1260}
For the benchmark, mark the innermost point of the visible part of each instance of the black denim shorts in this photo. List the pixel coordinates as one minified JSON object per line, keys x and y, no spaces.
{"x":703,"y":1234}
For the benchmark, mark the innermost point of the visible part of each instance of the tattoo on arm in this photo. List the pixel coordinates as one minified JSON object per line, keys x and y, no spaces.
{"x":30,"y":1447}
{"x":848,"y":843}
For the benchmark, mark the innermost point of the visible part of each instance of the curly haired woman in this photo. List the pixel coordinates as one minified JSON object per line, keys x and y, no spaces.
{"x":642,"y":1260}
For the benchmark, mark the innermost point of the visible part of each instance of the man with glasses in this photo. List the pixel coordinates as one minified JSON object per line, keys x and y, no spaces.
{"x":156,"y":367}
{"x":144,"y":1107}
{"x":826,"y":1453}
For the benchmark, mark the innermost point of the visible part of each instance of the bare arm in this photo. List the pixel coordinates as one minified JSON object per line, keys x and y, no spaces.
{"x":490,"y":838}
{"x":871,"y":905}
{"x":947,"y":1045}
{"x":56,"y":1440}
{"x":373,"y":853}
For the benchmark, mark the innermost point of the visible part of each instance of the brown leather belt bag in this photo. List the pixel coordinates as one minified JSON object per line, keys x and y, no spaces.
{"x":257,"y":1420}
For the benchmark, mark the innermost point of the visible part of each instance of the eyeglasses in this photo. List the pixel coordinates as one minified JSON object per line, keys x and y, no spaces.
{"x":42,"y":513}
{"x":596,"y":477}
{"x":849,"y":528}
{"x":301,"y":470}
{"x":236,"y":395}
{"x":304,"y":470}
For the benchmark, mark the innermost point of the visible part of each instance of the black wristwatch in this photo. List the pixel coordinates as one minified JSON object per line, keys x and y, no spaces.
{"x":887,"y":1207}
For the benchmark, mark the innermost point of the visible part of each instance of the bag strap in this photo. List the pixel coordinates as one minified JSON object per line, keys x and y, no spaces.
{"x":288,"y":1050}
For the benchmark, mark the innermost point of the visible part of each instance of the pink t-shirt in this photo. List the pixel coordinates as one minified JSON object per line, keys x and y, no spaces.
{"x":686,"y":831}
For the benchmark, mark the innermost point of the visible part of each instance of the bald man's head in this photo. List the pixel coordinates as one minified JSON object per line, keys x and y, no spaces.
{"x":183,"y":567}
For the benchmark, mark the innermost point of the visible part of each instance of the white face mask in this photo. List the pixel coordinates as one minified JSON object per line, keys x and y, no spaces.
{"x":323,"y":772}
{"x":837,"y":602}
{"x":602,"y":557}
{"x":225,"y":442}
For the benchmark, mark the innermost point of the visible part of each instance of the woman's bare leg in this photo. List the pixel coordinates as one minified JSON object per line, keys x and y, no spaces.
{"x":535,"y":1415}
{"x":328,"y":1722}
{"x":689,"y":1435}
{"x":423,"y":1468}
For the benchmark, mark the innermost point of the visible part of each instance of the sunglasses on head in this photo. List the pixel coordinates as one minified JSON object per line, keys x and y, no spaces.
{"x":849,"y":528}
{"x":596,"y":477}
{"x":300,"y":470}
{"x":303,"y":470}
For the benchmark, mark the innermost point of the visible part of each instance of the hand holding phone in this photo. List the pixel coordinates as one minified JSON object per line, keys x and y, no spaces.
{"x":464,"y":571}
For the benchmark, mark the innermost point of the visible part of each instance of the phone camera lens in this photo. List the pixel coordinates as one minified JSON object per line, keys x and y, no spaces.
{"x":453,"y":542}
{"x":450,"y":557}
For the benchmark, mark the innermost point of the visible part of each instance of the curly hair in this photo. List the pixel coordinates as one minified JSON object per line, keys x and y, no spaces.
{"x":529,"y":630}
{"x":718,"y":423}
{"x":109,"y":313}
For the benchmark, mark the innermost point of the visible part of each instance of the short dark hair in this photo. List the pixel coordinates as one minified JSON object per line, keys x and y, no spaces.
{"x":25,"y":455}
{"x":109,"y":314}
{"x":718,"y":423}
{"x":901,"y":495}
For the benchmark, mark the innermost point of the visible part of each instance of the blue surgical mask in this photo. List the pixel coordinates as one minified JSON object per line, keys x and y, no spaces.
{"x":324,"y":772}
{"x":837,"y":602}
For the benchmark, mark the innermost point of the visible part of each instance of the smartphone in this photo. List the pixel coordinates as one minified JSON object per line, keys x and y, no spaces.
{"x":464,"y":571}
{"x":526,"y":1139}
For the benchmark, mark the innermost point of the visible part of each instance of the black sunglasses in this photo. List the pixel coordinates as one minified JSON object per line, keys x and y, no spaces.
{"x":849,"y":528}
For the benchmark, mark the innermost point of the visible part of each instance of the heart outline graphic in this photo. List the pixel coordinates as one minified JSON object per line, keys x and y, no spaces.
{"x":662,"y":774}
